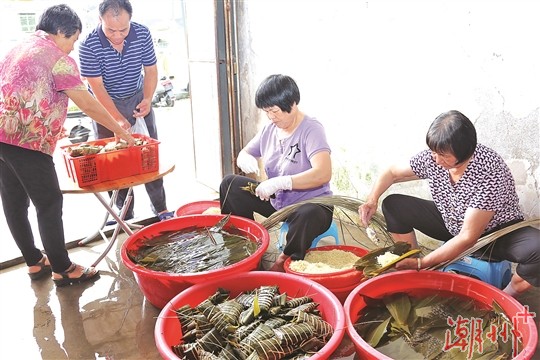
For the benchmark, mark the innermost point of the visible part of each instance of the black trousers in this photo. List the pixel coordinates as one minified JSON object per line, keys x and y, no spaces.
{"x":30,"y":175}
{"x":155,"y":189}
{"x":305,"y":223}
{"x":405,"y":213}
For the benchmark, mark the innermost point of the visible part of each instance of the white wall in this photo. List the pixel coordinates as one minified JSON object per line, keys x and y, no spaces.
{"x":377,"y":73}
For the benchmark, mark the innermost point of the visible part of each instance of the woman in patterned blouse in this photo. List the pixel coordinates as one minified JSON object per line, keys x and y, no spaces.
{"x":473,"y":194}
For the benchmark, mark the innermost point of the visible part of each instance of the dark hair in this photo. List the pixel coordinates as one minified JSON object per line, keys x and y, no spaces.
{"x":452,"y":132}
{"x":115,"y":6}
{"x":277,"y":90}
{"x":60,"y":19}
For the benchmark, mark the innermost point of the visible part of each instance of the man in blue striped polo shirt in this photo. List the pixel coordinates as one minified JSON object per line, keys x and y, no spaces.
{"x":112,"y":58}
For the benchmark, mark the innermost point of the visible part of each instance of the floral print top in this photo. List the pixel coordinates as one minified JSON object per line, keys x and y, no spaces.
{"x":33,"y":106}
{"x":487,"y":184}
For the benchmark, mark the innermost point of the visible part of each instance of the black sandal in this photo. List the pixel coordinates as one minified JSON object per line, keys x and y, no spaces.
{"x":44,"y":269}
{"x":88,"y":274}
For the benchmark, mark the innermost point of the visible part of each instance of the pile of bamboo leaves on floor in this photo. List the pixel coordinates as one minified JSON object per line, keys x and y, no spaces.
{"x":488,"y":239}
{"x":346,"y":211}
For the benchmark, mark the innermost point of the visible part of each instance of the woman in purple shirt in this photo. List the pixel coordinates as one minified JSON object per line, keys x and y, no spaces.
{"x":296,"y":158}
{"x":473,"y":194}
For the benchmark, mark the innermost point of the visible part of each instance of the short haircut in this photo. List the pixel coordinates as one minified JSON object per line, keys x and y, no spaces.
{"x":452,"y":132}
{"x":277,"y":90}
{"x":115,"y":6}
{"x":60,"y":19}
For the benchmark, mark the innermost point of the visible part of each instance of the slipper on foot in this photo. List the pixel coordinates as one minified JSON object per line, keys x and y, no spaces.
{"x":44,"y":269}
{"x":166,"y":216}
{"x":88,"y":274}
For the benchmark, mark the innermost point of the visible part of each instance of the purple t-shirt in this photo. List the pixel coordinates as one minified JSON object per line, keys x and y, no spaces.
{"x":487,"y":184}
{"x":290,"y":156}
{"x":33,"y":105}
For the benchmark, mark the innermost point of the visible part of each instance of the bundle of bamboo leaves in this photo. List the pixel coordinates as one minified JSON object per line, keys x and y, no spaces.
{"x":488,"y":239}
{"x":346,"y":210}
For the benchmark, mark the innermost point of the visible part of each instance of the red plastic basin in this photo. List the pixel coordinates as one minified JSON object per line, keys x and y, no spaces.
{"x":160,"y":287}
{"x":425,"y":282}
{"x":197,"y":207}
{"x":167,"y":331}
{"x":341,"y":283}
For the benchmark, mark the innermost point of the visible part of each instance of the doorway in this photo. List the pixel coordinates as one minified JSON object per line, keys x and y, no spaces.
{"x":211,"y":49}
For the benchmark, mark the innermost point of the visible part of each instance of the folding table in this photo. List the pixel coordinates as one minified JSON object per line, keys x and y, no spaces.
{"x":70,"y":187}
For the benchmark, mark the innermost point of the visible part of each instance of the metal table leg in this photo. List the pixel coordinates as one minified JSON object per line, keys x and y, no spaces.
{"x":91,"y":237}
{"x":120,"y":223}
{"x":110,"y":211}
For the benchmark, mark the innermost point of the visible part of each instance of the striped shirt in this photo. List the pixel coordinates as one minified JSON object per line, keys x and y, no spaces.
{"x":122,"y":73}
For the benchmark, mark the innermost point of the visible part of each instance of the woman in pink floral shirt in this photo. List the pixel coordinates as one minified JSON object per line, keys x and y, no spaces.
{"x":37,"y":79}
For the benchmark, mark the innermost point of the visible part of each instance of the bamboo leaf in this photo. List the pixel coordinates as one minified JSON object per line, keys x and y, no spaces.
{"x":399,"y":306}
{"x":256,"y":308}
{"x":375,"y":336}
{"x":485,"y":240}
{"x":341,"y":204}
{"x":489,"y":355}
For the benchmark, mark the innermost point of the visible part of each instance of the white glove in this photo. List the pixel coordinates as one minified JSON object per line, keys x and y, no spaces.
{"x":247,"y":163}
{"x":269,"y":187}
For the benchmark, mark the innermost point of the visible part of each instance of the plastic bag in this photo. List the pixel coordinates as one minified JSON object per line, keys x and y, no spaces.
{"x":140,"y":127}
{"x":79,"y":134}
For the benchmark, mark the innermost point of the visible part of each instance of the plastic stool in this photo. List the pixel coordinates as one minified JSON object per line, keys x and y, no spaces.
{"x":496,"y":273}
{"x":332,"y":232}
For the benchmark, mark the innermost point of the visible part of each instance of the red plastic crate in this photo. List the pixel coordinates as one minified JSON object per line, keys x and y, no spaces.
{"x":112,"y":165}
